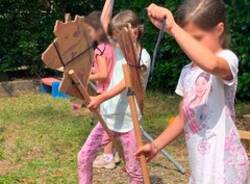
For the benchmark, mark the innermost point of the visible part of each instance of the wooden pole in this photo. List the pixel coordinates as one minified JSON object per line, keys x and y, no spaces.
{"x":86,"y":97}
{"x":67,"y":17}
{"x":133,"y":108}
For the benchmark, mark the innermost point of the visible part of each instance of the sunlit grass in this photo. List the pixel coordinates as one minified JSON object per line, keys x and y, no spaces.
{"x":41,"y":136}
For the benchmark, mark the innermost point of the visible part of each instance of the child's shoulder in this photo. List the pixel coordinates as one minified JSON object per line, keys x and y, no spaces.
{"x":231,"y":58}
{"x":145,"y":58}
{"x":186,"y":67}
{"x":104,"y":45}
{"x":228,"y":55}
{"x":103,"y":48}
{"x":185,"y":70}
{"x":227,"y":52}
{"x":145,"y":55}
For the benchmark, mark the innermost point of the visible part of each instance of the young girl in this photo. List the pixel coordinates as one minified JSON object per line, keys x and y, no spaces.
{"x":101,"y":72}
{"x":115,"y":109}
{"x":103,"y":55}
{"x":208,"y":87}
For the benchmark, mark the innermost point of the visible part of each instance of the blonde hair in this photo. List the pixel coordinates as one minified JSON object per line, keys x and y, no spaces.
{"x":123,"y":19}
{"x":204,"y":13}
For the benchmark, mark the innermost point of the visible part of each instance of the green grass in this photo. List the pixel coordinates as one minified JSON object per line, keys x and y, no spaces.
{"x":40,"y":139}
{"x":40,"y":136}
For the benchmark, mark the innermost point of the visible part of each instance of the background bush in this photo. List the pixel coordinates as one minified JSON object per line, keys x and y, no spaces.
{"x":26,"y":30}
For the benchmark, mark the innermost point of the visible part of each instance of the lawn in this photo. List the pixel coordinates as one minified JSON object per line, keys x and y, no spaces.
{"x":40,"y":138}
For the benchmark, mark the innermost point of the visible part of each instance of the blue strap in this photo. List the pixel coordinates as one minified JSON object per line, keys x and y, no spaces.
{"x":160,"y":36}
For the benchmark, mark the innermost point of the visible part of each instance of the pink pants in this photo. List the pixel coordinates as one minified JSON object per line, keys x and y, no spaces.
{"x":95,"y":141}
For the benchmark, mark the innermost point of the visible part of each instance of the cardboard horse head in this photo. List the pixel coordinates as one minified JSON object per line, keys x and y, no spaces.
{"x":72,"y":49}
{"x":129,"y":52}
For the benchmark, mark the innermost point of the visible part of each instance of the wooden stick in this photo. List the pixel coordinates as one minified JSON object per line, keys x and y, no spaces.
{"x":67,"y":17}
{"x":133,"y":108}
{"x":244,"y":134}
{"x":86,"y":97}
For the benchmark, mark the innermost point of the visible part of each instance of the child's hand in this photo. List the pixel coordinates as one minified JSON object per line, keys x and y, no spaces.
{"x":158,"y":14}
{"x":95,"y":101}
{"x":149,"y":150}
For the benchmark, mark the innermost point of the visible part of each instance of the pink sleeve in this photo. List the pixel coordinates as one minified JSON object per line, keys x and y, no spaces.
{"x":99,"y":51}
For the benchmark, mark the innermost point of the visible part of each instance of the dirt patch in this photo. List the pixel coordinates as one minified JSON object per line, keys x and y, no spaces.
{"x":161,"y":172}
{"x":34,"y":153}
{"x":9,"y":137}
{"x":7,"y":166}
{"x":8,"y":145}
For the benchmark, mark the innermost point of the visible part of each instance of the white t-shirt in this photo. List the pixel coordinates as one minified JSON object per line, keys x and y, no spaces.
{"x":216,"y":155}
{"x":116,"y":111}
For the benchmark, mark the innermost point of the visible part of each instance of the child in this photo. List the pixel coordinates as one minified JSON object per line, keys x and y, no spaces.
{"x":103,"y":56}
{"x":208,"y":87}
{"x":115,"y":108}
{"x":102,"y":73}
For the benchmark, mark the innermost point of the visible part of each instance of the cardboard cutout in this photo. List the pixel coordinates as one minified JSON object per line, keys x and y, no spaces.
{"x":72,"y":50}
{"x":130,"y":54}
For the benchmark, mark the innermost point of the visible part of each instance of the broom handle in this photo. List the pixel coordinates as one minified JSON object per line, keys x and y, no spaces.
{"x":136,"y":123}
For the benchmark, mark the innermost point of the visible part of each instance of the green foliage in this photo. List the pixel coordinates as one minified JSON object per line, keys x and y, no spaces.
{"x":239,"y":23}
{"x":26,"y":30}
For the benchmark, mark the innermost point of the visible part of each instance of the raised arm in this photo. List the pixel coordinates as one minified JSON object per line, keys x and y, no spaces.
{"x":107,"y":13}
{"x":197,"y":52}
{"x":205,"y":59}
{"x":97,"y":100}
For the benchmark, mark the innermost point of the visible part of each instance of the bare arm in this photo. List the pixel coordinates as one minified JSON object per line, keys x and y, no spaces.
{"x":103,"y":73}
{"x":166,"y":137}
{"x":107,"y":13}
{"x":201,"y":55}
{"x":114,"y":91}
{"x":97,"y":100}
{"x":198,"y":53}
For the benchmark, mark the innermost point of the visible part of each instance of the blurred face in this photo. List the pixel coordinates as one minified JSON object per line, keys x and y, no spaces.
{"x":94,"y":34}
{"x":210,"y":39}
{"x":135,"y":34}
{"x":201,"y":86}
